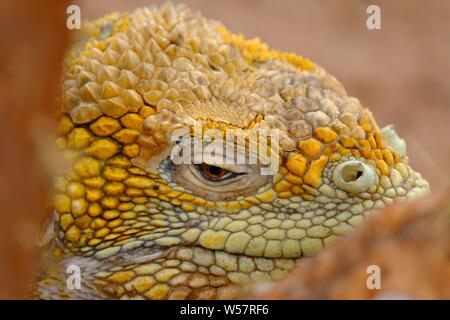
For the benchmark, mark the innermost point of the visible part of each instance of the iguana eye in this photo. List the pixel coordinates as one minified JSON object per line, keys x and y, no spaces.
{"x":214,"y":173}
{"x":219,"y":182}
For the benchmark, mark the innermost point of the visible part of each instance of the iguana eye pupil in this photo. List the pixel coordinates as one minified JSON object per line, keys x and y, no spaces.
{"x":213,"y":173}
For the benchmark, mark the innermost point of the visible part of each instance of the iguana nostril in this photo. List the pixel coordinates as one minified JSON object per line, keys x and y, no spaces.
{"x":353,"y":176}
{"x":351,"y":172}
{"x":359,"y":174}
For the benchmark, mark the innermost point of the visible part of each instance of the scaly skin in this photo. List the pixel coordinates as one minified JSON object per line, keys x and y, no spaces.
{"x":139,"y":226}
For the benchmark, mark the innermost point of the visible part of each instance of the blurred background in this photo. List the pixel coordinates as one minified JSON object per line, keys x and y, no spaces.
{"x":400,"y":72}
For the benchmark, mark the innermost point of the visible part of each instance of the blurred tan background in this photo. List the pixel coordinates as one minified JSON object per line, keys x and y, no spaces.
{"x":400,"y":72}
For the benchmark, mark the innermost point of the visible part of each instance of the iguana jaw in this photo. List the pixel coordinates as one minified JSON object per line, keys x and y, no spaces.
{"x":158,"y":273}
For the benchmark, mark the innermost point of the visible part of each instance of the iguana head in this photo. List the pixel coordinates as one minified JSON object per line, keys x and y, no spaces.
{"x":141,"y":225}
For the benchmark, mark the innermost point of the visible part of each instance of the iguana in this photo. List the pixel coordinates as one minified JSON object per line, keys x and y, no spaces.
{"x":139,"y":226}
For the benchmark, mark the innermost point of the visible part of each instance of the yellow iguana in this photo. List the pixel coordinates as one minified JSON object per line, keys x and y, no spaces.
{"x":140,"y":226}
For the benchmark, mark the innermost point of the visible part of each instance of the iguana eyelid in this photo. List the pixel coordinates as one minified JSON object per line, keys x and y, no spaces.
{"x":213,"y":156}
{"x":236,"y":168}
{"x":187,"y":176}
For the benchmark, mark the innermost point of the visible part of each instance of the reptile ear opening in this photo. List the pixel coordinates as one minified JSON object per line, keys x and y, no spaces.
{"x":354,"y":176}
